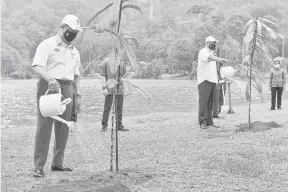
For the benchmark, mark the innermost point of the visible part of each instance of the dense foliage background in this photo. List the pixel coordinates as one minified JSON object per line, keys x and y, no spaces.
{"x":170,"y":32}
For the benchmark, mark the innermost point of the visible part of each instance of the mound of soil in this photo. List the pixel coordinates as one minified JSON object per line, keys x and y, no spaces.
{"x":257,"y":126}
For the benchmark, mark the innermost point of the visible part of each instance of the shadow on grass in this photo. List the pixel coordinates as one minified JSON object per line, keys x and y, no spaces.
{"x":121,"y":181}
{"x":257,"y":126}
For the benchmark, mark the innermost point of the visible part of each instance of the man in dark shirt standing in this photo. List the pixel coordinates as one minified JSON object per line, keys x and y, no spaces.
{"x":107,"y":74}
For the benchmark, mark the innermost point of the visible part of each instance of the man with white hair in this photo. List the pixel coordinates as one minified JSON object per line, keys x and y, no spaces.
{"x":57,"y":63}
{"x":207,"y":79}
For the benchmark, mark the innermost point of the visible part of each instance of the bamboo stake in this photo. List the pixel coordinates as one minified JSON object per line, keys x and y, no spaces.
{"x":117,"y":89}
{"x":112,"y":136}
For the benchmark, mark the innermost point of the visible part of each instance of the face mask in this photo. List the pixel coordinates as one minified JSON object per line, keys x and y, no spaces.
{"x":212,"y":46}
{"x":69,"y":36}
{"x":277,"y":66}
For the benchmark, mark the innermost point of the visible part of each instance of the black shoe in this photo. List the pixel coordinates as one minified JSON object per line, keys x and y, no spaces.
{"x":60,"y":168}
{"x":104,"y":129}
{"x":39,"y":173}
{"x":204,"y":126}
{"x":216,"y":116}
{"x":272,"y":109}
{"x":279,"y":108}
{"x":121,"y":128}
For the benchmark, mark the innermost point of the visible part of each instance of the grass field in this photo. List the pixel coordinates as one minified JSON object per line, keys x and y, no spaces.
{"x":164,"y":151}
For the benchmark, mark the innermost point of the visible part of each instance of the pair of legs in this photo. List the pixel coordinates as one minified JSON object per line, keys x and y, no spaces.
{"x":276,"y":91}
{"x":216,"y":103}
{"x":206,"y":95}
{"x":44,"y":129}
{"x":107,"y":108}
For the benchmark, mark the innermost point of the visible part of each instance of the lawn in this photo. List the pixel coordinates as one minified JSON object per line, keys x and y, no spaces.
{"x":164,"y":151}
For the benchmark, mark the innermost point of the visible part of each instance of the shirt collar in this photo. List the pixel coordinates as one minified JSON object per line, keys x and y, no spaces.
{"x":59,"y":41}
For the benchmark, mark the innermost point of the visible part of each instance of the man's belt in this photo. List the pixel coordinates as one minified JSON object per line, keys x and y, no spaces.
{"x":64,"y":82}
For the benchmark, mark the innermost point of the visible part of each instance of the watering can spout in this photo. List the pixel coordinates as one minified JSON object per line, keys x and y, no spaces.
{"x":70,"y":124}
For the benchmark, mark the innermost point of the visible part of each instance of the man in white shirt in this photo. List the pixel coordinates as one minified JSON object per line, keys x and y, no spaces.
{"x":207,"y":79}
{"x":57,"y":63}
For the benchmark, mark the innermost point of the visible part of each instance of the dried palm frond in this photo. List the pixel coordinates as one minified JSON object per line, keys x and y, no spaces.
{"x":128,"y":88}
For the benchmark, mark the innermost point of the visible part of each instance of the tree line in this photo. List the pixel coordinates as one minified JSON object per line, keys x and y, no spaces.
{"x":170,"y":32}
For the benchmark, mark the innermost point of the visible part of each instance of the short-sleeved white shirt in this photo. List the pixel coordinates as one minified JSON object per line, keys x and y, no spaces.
{"x":60,"y":60}
{"x":206,"y":69}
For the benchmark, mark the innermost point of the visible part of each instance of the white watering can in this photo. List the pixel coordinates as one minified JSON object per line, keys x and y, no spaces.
{"x":227,"y":72}
{"x":51,"y":106}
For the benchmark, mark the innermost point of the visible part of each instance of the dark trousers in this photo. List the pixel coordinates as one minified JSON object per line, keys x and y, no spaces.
{"x":44,"y":129}
{"x":216,"y":102}
{"x":107,"y":109}
{"x":278,"y":91}
{"x":206,"y":94}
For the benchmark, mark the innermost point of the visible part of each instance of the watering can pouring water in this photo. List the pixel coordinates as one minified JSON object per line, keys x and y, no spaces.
{"x":226,"y":72}
{"x":52,"y":106}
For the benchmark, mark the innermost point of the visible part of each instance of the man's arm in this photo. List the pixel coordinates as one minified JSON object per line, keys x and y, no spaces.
{"x":41,"y":72}
{"x":40,"y":61}
{"x":76,"y":85}
{"x":218,"y":59}
{"x":103,"y":78}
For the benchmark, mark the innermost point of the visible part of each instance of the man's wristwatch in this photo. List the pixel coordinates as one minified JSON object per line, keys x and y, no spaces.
{"x":103,"y":88}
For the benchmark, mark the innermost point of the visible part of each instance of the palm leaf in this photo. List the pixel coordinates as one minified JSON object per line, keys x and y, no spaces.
{"x":257,"y":84}
{"x":270,"y":31}
{"x":263,"y":54}
{"x":95,"y":59}
{"x":142,"y":91}
{"x":247,"y":25}
{"x":128,"y":88}
{"x":131,"y":38}
{"x":94,"y":17}
{"x":267,"y":44}
{"x":98,"y":13}
{"x":250,"y":34}
{"x":101,"y":22}
{"x":132,"y":7}
{"x":133,"y":59}
{"x":259,"y":27}
{"x":267,"y":21}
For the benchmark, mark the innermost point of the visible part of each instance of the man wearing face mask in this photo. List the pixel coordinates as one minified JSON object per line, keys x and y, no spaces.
{"x":277,"y":83}
{"x":57,"y":63}
{"x":207,"y":79}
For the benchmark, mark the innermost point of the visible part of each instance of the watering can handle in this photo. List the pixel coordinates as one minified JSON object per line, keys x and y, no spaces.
{"x":49,"y":90}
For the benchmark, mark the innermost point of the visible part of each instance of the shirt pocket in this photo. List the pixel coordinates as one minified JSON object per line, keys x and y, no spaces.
{"x":57,"y":55}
